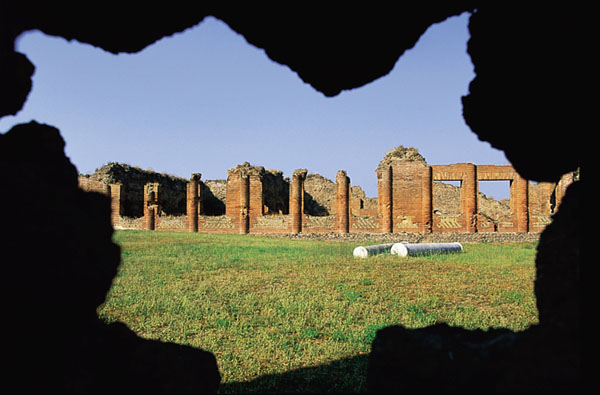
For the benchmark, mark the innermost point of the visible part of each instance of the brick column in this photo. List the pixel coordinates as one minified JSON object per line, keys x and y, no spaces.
{"x":521,"y":199}
{"x":342,"y":201}
{"x":427,"y":204}
{"x":384,"y":192}
{"x":468,"y":197}
{"x":116,"y":196}
{"x":193,"y":202}
{"x":150,"y":219}
{"x":297,"y":199}
{"x":244,"y":226}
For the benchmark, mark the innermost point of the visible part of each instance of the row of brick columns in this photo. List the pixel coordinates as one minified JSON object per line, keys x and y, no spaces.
{"x":385,"y":184}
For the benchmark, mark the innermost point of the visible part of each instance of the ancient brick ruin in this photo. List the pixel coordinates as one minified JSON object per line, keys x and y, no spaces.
{"x":524,"y":100}
{"x":262,"y":201}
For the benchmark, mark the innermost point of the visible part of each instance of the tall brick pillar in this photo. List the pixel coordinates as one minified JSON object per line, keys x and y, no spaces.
{"x":342,"y":202}
{"x":193,"y":202}
{"x":116,"y":207}
{"x":297,"y":199}
{"x":520,"y":192}
{"x":468,"y":196}
{"x":384,"y":192}
{"x":244,"y":226}
{"x":427,"y":204}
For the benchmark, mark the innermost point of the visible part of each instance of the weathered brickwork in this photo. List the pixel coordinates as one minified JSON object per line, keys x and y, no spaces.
{"x":90,"y":185}
{"x":297,"y":200}
{"x":151,"y":206}
{"x":404,"y":203}
{"x":193,"y":202}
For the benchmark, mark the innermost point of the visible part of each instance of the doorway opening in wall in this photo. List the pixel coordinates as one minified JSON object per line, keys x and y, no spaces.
{"x":446,"y":198}
{"x":493,"y":202}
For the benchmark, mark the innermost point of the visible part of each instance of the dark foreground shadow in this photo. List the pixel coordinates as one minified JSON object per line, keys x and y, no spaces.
{"x":62,"y":262}
{"x":348,"y":375}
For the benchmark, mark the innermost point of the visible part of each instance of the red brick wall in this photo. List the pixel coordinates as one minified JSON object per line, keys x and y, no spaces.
{"x":411,"y":197}
{"x":404,"y":203}
{"x":93,"y":186}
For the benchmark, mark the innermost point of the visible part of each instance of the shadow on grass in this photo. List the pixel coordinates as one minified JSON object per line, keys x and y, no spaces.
{"x":348,"y":375}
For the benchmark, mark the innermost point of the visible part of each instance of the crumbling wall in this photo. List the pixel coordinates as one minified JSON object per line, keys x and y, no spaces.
{"x":213,"y":195}
{"x":319,"y":195}
{"x":275,"y":190}
{"x":360,"y":204}
{"x":542,"y":204}
{"x":91,"y":185}
{"x":320,"y":198}
{"x":133,"y":179}
{"x":448,"y":209}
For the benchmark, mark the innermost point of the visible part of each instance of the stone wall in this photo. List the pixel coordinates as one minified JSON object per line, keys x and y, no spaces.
{"x":133,"y":180}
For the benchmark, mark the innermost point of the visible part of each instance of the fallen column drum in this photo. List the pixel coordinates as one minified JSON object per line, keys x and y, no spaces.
{"x":363,"y":252}
{"x":408,"y":249}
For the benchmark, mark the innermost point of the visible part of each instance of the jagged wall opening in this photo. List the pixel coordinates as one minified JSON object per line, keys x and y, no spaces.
{"x":522,"y":94}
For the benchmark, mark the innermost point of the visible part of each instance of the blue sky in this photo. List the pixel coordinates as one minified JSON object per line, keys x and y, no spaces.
{"x":205,"y":101}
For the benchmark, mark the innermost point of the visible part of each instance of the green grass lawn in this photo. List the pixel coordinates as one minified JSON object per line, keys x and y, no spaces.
{"x":278,"y":311}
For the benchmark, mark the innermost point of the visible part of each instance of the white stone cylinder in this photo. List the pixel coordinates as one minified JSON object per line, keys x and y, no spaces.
{"x":407,"y":249}
{"x":366,"y":251}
